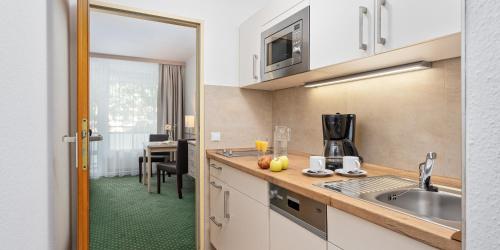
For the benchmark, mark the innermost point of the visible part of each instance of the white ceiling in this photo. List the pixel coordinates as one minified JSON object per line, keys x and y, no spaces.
{"x":125,"y":36}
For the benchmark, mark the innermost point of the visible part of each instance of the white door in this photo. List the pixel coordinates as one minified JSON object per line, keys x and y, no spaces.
{"x":286,"y":234}
{"x":249,"y":52}
{"x":341,"y":30}
{"x":246,"y":222}
{"x":407,"y":22}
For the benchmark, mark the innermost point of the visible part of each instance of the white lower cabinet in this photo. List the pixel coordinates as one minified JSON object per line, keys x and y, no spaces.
{"x":287,"y":235}
{"x":347,"y":232}
{"x":246,"y":225}
{"x":238,"y":221}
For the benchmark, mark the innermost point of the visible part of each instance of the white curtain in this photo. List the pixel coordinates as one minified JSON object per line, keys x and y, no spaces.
{"x":123,"y":105}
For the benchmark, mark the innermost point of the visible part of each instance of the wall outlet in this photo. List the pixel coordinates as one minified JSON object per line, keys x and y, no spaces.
{"x":215,"y":136}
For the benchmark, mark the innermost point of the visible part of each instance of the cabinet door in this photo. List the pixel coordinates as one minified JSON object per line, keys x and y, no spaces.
{"x":286,"y":234}
{"x":350,"y":232}
{"x":341,"y":30}
{"x":246,"y":222}
{"x":406,"y":22}
{"x":249,"y":52}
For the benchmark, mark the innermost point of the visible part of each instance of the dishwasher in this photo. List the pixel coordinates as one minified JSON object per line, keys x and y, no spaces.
{"x":296,"y":222}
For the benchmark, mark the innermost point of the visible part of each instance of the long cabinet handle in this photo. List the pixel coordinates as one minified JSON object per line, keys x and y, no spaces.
{"x":212,"y":165}
{"x":218,"y":224}
{"x":380,"y":39}
{"x":254,"y":67}
{"x":215,"y":185}
{"x":226,"y":205}
{"x":362,"y":12}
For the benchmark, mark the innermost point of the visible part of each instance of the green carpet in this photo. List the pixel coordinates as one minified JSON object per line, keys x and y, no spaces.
{"x":124,"y":216}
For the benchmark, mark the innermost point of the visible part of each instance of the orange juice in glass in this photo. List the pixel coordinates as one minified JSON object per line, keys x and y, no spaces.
{"x":263,"y":157}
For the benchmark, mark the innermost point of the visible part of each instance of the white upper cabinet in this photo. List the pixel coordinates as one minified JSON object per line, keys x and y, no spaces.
{"x":249,"y":55}
{"x":341,"y":30}
{"x":406,"y":22}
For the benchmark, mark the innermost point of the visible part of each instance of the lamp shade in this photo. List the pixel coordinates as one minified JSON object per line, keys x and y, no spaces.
{"x":189,"y":121}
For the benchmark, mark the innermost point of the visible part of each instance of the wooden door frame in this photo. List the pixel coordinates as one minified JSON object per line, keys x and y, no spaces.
{"x":84,"y":8}
{"x":82,"y":76}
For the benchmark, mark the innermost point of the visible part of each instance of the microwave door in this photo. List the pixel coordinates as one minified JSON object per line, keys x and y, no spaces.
{"x":280,"y":49}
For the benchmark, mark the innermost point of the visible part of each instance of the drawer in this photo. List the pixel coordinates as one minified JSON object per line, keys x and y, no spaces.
{"x":247,"y":184}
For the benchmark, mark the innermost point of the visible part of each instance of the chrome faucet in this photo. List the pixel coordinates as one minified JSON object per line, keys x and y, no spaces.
{"x":425,"y":169}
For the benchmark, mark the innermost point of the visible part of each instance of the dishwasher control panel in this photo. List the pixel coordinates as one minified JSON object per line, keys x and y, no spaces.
{"x":302,"y":210}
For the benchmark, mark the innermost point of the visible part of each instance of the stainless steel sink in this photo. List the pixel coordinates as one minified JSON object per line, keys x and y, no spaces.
{"x":442,"y":207}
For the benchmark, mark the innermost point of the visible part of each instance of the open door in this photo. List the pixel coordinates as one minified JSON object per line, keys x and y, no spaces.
{"x":82,"y":125}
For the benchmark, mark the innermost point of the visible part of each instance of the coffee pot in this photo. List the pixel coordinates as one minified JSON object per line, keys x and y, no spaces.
{"x":338,"y":138}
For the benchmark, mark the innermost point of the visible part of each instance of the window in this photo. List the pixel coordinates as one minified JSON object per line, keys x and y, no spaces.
{"x":123,"y":104}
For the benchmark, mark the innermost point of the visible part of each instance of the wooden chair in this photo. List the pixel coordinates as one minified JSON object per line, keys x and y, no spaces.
{"x":179,"y":168}
{"x":155,"y":157}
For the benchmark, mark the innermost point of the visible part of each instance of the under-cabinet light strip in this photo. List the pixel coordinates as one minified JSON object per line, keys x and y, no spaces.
{"x":371,"y":74}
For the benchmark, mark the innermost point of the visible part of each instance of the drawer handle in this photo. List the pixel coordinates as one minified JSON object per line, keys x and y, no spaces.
{"x":215,"y":185}
{"x":362,"y":12}
{"x":215,"y":166}
{"x":226,"y":205}
{"x":212,"y":218}
{"x":254,"y":67}
{"x":380,"y":39}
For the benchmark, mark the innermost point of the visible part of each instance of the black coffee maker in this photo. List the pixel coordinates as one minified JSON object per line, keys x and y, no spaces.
{"x":338,"y":137}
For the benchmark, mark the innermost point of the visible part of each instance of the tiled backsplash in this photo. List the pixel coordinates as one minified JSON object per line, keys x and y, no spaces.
{"x":241,"y":115}
{"x":399,"y":117}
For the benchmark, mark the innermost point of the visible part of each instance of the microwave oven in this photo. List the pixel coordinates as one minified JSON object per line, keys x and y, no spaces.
{"x":285,"y":47}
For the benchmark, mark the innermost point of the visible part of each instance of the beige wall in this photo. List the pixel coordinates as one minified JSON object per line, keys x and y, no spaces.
{"x":240,"y":115}
{"x":399,"y":117}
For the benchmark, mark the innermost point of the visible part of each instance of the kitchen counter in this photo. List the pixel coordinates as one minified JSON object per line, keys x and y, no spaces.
{"x":293,"y":179}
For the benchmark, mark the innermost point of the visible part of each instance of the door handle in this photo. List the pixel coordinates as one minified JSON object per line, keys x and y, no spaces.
{"x":380,"y":39}
{"x":362,"y":12}
{"x":218,"y":224}
{"x":226,"y":205}
{"x":254,"y":67}
{"x":95,"y":137}
{"x":71,"y":139}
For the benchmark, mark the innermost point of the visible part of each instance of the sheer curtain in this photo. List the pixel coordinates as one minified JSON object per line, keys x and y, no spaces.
{"x":123,"y":105}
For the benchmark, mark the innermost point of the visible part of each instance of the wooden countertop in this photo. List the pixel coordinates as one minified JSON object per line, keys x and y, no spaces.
{"x":293,"y":179}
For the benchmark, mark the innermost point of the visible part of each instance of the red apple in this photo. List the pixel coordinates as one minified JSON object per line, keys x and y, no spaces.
{"x":264,"y":161}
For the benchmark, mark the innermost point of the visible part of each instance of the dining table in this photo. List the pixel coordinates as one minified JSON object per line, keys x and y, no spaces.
{"x":154,"y":147}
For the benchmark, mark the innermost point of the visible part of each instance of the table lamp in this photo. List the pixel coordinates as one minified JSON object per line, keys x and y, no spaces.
{"x":189,"y":123}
